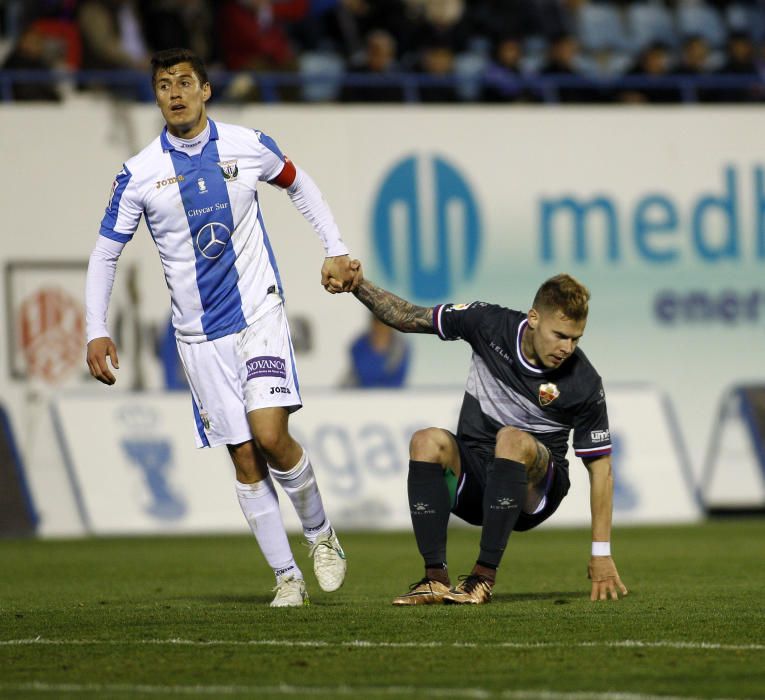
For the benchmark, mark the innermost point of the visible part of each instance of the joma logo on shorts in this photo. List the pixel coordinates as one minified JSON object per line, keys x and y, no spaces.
{"x":280,"y":390}
{"x":266,"y":366}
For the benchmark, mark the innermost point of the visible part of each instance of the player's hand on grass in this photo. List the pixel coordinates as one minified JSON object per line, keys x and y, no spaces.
{"x":340,"y":274}
{"x":98,"y":350}
{"x":605,"y":579}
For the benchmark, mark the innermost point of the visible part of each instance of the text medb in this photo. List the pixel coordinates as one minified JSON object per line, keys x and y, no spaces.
{"x":266,"y":366}
{"x":658,"y":229}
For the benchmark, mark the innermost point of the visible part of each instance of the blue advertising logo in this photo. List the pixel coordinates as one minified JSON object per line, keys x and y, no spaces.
{"x":154,"y":458}
{"x":426,"y":228}
{"x":625,"y":496}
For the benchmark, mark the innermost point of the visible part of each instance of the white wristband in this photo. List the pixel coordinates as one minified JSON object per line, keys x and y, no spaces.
{"x":601,"y":549}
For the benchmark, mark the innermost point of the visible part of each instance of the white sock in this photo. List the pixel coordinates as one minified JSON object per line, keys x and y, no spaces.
{"x":299,"y":483}
{"x":260,"y":506}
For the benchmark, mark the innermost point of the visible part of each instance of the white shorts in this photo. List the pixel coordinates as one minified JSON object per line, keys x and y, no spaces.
{"x":236,"y":374}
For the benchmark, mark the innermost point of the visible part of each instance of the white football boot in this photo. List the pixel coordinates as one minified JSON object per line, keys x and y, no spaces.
{"x":329,"y":562}
{"x":290,"y":593}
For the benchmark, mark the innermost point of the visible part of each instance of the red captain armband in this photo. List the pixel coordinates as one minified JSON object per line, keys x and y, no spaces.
{"x":287,"y":176}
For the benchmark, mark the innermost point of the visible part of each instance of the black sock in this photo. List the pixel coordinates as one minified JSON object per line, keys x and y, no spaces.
{"x":429,"y":505}
{"x":503,"y":499}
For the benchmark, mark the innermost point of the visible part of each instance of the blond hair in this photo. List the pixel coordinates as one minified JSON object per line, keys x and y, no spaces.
{"x":565,"y":294}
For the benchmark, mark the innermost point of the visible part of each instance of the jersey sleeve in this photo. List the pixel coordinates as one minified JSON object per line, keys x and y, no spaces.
{"x":592,"y":436}
{"x":460,"y":321}
{"x":272,"y":159}
{"x":123,"y":210}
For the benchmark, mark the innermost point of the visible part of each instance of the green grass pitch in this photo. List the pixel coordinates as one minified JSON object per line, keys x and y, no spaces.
{"x":189,"y":616}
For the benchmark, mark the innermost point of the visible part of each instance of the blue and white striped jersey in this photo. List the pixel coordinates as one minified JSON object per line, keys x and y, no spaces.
{"x":204,"y":216}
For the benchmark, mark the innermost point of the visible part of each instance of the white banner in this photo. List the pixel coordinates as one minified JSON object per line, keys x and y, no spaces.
{"x":734,"y":475}
{"x":661,"y":212}
{"x":134,"y":468}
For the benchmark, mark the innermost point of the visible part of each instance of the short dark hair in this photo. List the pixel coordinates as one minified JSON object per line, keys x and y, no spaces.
{"x":565,"y":294}
{"x":172,"y":57}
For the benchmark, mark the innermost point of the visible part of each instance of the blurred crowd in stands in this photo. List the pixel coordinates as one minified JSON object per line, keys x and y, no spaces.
{"x":449,"y":51}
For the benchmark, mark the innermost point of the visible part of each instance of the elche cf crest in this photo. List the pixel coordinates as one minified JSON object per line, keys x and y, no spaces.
{"x":548,"y":393}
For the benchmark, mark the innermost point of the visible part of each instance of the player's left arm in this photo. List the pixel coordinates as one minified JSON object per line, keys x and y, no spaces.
{"x":392,"y":310}
{"x":338,"y":273}
{"x":602,"y":569}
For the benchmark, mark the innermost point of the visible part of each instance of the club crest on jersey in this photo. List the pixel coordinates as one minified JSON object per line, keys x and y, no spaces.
{"x":111,"y":194}
{"x":229,"y":169}
{"x":548,"y":393}
{"x":202,"y":185}
{"x":115,"y":184}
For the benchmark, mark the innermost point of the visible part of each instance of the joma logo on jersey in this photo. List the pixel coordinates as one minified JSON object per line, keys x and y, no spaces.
{"x":169,"y":181}
{"x":600,"y":435}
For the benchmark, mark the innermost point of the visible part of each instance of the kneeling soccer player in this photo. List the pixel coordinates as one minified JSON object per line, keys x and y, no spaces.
{"x":505,"y":469}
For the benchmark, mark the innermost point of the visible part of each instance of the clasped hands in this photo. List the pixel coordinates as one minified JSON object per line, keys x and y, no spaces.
{"x":341,"y":274}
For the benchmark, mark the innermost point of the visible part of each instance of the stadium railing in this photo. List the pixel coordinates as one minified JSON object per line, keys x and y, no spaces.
{"x":544,"y":88}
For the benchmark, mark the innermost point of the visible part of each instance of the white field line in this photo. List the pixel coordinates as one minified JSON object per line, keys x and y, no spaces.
{"x":624,"y":643}
{"x":335,"y":691}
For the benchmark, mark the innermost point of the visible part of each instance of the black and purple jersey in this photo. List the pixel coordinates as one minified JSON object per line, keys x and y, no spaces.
{"x":503,"y":388}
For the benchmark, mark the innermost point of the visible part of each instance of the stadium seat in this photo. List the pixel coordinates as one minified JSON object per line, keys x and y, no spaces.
{"x":741,"y":17}
{"x":699,"y":19}
{"x":648,"y":23}
{"x":534,"y":54}
{"x":480,"y":45}
{"x":321,"y":76}
{"x":469,"y":69}
{"x":64,"y":34}
{"x":615,"y":65}
{"x":601,"y":28}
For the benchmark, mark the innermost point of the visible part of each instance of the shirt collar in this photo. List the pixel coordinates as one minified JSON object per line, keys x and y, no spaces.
{"x":167,"y":146}
{"x":519,"y":350}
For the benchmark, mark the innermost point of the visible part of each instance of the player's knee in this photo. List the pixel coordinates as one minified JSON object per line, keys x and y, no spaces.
{"x":515,"y":444}
{"x":429,"y":445}
{"x":245,"y":462}
{"x":271,"y":439}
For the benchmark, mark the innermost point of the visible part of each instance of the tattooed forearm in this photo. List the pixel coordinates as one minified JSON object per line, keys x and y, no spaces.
{"x":395,"y":311}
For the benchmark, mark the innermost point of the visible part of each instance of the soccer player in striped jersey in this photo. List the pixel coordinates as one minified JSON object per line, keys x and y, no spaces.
{"x":505,"y":469}
{"x":196,"y":186}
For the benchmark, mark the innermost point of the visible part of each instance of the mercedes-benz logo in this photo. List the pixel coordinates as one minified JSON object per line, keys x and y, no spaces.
{"x":212,"y":239}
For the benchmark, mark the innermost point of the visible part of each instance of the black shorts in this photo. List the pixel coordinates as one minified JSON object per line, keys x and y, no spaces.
{"x":468,"y":503}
